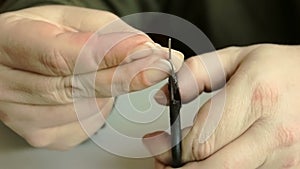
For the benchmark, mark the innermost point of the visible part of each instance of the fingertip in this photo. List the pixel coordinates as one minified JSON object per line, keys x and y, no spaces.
{"x":141,"y":50}
{"x":158,"y":143}
{"x":177,"y":57}
{"x":149,"y":135}
{"x":188,"y":84}
{"x":162,"y":96}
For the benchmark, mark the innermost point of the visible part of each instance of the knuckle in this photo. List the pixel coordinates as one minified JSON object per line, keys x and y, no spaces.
{"x":140,"y":81}
{"x":234,"y":54}
{"x":265,"y":98}
{"x":193,"y":63}
{"x":79,"y":85}
{"x":110,"y":16}
{"x":287,"y":136}
{"x":265,"y":48}
{"x":56,"y":62}
{"x":203,"y":150}
{"x":58,"y":90}
{"x":9,"y":17}
{"x":291,"y":162}
{"x":50,"y":139}
{"x":197,"y":65}
{"x":66,"y":85}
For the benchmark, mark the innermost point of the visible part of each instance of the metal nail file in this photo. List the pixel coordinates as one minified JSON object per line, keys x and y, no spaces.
{"x":175,"y":106}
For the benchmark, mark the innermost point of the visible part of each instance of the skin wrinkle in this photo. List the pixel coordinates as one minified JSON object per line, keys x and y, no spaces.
{"x":264,"y":100}
{"x":286,"y":136}
{"x":142,"y":76}
{"x":261,"y":123}
{"x":202,"y":151}
{"x":205,"y":150}
{"x":34,"y":16}
{"x":67,"y":86}
{"x":64,"y":93}
{"x":55,"y":62}
{"x":114,"y":60}
{"x":291,"y":162}
{"x":11,"y":51}
{"x":199,"y":150}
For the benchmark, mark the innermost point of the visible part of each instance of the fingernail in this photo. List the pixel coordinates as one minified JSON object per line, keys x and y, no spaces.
{"x":156,"y":133}
{"x":158,"y":71}
{"x":176,"y":59}
{"x":150,"y":48}
{"x":143,"y":50}
{"x":157,"y":45}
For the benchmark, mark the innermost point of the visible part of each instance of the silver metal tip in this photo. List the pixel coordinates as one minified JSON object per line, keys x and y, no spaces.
{"x":170,"y":48}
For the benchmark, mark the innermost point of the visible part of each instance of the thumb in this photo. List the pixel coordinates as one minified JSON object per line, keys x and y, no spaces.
{"x":226,"y":116}
{"x":220,"y":121}
{"x":202,"y":139}
{"x":240,"y":139}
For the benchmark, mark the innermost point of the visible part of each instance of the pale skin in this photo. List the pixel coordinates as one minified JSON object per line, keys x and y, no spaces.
{"x":260,"y":123}
{"x":260,"y":127}
{"x":38,"y":51}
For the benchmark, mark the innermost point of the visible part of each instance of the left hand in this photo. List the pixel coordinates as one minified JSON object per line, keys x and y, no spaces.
{"x":39,"y":49}
{"x":260,"y":125}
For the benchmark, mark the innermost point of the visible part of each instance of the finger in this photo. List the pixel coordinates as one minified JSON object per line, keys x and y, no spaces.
{"x":159,"y":165}
{"x":248,"y":151}
{"x":207,"y":72}
{"x":66,"y":136}
{"x":71,"y":135}
{"x":78,"y":18}
{"x":43,"y":116}
{"x":54,"y":49}
{"x":109,"y":27}
{"x":87,"y":20}
{"x":30,"y":88}
{"x":127,"y":77}
{"x":159,"y":145}
{"x":222,"y":119}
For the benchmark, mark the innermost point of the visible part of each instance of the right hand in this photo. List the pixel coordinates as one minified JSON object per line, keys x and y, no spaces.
{"x":252,"y":122}
{"x":38,"y":51}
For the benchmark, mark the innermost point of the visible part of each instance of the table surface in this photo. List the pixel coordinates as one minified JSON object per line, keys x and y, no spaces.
{"x":15,"y":153}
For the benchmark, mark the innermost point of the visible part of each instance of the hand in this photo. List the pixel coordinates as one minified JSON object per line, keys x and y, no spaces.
{"x":259,"y":127}
{"x":38,"y":52}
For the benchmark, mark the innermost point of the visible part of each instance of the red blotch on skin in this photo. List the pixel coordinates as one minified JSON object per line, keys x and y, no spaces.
{"x":264,"y":93}
{"x":290,"y":163}
{"x":264,"y":99}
